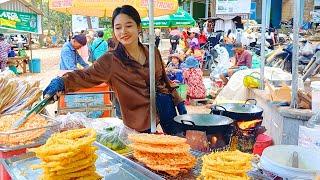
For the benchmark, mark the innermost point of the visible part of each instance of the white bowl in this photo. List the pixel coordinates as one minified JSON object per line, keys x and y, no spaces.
{"x":278,"y":159}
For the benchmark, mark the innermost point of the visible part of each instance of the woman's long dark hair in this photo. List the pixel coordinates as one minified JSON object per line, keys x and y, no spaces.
{"x":129,"y":11}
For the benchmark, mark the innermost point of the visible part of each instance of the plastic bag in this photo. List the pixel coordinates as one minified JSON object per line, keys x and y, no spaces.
{"x":115,"y":137}
{"x":71,"y":121}
{"x":309,"y":138}
{"x":251,"y":81}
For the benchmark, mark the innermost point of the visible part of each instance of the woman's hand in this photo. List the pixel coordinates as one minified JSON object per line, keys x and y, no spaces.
{"x":54,"y":89}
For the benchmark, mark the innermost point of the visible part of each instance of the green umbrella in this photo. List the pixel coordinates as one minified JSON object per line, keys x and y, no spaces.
{"x":179,"y":19}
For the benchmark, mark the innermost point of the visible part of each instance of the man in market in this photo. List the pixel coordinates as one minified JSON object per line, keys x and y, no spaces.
{"x":242,"y":60}
{"x":70,"y":57}
{"x":4,"y":51}
{"x":157,"y":32}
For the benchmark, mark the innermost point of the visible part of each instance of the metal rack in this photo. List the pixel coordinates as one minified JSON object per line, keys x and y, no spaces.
{"x":109,"y":164}
{"x":84,"y":105}
{"x":193,"y":173}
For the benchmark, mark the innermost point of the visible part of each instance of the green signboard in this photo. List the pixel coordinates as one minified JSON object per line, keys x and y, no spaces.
{"x":19,"y":21}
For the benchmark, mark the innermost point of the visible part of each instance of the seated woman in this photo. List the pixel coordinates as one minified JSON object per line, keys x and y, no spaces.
{"x":193,"y":78}
{"x":243,"y":60}
{"x":173,"y":69}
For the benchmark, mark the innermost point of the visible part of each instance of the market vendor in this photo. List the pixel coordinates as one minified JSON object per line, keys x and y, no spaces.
{"x":126,"y":70}
{"x":69,"y":57}
{"x":242,"y":60}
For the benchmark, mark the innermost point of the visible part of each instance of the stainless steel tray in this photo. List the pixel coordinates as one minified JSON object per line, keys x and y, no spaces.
{"x":109,"y":164}
{"x":50,"y":128}
{"x":193,"y":173}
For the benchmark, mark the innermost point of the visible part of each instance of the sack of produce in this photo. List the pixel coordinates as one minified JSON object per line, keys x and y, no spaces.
{"x":115,"y":137}
{"x":72,"y":121}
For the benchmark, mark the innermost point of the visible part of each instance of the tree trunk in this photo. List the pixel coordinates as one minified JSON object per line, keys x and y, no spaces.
{"x":89,"y":22}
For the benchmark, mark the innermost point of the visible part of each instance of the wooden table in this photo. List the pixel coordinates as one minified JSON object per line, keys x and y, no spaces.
{"x":19,"y":61}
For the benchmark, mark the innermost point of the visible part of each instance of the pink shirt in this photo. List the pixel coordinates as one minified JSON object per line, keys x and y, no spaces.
{"x":244,"y":59}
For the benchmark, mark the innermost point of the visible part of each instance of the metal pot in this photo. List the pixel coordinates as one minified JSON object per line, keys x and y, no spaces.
{"x":209,"y":123}
{"x":238,"y":111}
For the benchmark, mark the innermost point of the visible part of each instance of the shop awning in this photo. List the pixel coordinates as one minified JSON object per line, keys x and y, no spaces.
{"x":104,"y":8}
{"x":179,"y":19}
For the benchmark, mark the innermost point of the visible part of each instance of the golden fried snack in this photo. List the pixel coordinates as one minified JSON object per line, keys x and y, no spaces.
{"x":83,"y":154}
{"x":165,"y":153}
{"x":154,"y":148}
{"x":21,"y":138}
{"x":56,"y":145}
{"x":173,"y":173}
{"x":81,"y":173}
{"x":226,"y":165}
{"x":163,"y":167}
{"x":90,"y":177}
{"x":158,"y":159}
{"x":156,"y":139}
{"x":82,"y":162}
{"x":68,"y":155}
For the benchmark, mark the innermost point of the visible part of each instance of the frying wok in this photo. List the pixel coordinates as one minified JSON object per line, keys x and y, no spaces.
{"x":239,"y":111}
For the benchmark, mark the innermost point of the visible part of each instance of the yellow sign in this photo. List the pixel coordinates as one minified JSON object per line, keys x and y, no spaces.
{"x":105,"y":8}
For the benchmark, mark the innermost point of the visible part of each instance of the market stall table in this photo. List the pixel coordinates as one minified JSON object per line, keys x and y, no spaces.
{"x":19,"y":61}
{"x":109,"y":164}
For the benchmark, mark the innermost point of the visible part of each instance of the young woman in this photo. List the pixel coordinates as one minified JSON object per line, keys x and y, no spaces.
{"x":193,"y":77}
{"x":126,"y":70}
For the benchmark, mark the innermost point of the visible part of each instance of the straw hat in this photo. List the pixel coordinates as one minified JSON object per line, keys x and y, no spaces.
{"x":175,"y":55}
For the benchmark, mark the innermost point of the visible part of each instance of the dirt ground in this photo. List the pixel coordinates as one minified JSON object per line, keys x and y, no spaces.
{"x":50,"y":68}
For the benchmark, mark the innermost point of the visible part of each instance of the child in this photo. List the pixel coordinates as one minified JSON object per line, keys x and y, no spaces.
{"x":193,"y":78}
{"x":173,"y":69}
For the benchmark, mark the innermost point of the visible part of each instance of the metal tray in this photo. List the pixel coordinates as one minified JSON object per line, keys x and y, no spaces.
{"x":50,"y":128}
{"x":193,"y":173}
{"x":109,"y":165}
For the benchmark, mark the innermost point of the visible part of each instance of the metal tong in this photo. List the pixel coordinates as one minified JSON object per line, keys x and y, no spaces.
{"x":35,"y":110}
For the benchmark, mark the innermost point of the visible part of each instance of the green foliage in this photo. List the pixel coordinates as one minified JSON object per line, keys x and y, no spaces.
{"x":107,"y":33}
{"x":60,"y":23}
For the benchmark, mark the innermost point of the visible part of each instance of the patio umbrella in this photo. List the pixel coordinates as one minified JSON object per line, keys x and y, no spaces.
{"x":181,"y":18}
{"x":104,"y":8}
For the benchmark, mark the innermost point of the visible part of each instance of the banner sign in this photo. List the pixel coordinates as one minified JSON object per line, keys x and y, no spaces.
{"x":233,"y":6}
{"x":20,"y":21}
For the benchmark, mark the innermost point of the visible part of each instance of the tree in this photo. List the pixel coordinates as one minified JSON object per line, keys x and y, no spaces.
{"x":60,"y":23}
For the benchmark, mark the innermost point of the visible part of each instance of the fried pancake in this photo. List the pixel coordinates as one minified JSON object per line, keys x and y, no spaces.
{"x":152,"y":148}
{"x":156,"y":139}
{"x":158,"y":159}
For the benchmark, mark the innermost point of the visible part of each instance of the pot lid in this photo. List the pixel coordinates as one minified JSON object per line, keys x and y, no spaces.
{"x":240,"y":108}
{"x":203,"y":120}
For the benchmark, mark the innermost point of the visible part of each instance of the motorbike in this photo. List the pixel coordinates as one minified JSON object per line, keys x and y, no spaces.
{"x":283,"y":59}
{"x":313,"y":66}
{"x":211,"y":54}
